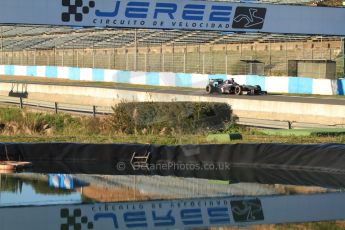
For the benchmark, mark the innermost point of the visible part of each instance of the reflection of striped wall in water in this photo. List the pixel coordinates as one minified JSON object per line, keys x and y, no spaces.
{"x":159,"y":187}
{"x":131,"y":188}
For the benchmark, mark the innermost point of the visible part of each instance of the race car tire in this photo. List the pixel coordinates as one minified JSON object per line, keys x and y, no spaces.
{"x":238,"y":90}
{"x":209,"y":89}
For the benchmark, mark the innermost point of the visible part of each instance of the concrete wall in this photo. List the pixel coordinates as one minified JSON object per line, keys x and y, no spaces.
{"x":246,"y":108}
{"x":296,"y":85}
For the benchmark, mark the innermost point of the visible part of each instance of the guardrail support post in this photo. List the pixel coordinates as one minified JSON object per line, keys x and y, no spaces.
{"x":21,"y":102}
{"x":56,"y":107}
{"x":94,"y":111}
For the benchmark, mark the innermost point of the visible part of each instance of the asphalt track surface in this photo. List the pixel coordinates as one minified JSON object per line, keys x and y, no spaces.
{"x":283,"y":98}
{"x":196,"y":92}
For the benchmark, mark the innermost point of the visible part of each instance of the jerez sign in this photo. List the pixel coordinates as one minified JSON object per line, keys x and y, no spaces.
{"x":166,"y":14}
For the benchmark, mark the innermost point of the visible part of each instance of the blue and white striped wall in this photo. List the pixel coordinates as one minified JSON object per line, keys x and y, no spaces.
{"x":296,"y":85}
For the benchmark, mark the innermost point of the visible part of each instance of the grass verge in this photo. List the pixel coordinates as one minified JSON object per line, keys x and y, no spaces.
{"x":23,"y":126}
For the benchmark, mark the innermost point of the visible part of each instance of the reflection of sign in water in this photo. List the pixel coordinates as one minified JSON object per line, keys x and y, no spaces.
{"x":178,"y":214}
{"x":150,"y":215}
{"x":74,"y":220}
{"x":247,"y":210}
{"x":61,"y":181}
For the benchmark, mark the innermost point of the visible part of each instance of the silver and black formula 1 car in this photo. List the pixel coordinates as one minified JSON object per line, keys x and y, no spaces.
{"x":231,"y":87}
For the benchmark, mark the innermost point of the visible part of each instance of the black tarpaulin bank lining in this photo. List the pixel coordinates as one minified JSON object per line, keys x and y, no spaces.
{"x":321,"y":158}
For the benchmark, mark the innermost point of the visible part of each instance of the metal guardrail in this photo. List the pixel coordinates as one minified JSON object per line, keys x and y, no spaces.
{"x":103,"y":110}
{"x":55,"y":106}
{"x":262,"y":123}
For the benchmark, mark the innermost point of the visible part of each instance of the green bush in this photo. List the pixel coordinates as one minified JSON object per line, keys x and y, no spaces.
{"x":169,"y":117}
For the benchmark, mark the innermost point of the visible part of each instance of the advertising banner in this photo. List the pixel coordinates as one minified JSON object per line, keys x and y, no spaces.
{"x":185,"y":15}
